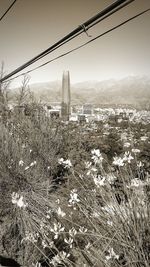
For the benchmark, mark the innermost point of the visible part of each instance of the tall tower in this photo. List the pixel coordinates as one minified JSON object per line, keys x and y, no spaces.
{"x":66,"y":96}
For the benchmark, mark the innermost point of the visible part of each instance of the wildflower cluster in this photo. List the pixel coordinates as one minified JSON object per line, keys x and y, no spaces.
{"x":93,"y":216}
{"x":60,"y":212}
{"x":18,"y":200}
{"x":97,"y":156}
{"x":61,"y":257}
{"x":31,"y":237}
{"x":73,"y":197}
{"x":90,"y":168}
{"x":112,"y":255}
{"x":99,"y":180}
{"x":65,"y":163}
{"x":120,"y":161}
{"x":57,"y":229}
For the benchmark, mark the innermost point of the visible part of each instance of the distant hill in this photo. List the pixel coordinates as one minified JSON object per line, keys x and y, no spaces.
{"x":130,"y":91}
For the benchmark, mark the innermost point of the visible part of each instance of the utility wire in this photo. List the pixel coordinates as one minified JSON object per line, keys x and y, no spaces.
{"x":110,"y":13}
{"x":80,"y":29}
{"x":8,"y":9}
{"x":76,"y":48}
{"x":85,"y":29}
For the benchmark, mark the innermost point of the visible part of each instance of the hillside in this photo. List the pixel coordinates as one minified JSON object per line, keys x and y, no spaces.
{"x":130,"y":91}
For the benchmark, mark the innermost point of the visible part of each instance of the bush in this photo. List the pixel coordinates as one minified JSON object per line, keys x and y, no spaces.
{"x":66,"y":205}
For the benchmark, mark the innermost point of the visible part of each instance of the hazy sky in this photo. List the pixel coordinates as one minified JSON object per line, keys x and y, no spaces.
{"x":33,"y":25}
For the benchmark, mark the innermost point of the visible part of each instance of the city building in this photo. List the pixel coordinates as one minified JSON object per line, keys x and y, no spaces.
{"x":66,"y":96}
{"x":87,"y":109}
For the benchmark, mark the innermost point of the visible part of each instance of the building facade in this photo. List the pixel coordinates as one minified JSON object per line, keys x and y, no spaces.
{"x":66,"y":96}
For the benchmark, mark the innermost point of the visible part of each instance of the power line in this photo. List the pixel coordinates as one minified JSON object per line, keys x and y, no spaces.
{"x":78,"y":47}
{"x":85,"y":29}
{"x":8,"y":10}
{"x":80,"y":29}
{"x":111,"y":13}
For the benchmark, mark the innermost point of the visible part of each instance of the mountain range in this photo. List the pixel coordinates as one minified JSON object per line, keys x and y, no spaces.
{"x":131,"y":91}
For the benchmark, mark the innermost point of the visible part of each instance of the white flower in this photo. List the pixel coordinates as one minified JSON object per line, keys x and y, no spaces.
{"x":110,"y":178}
{"x":61,"y":256}
{"x":96,"y":152}
{"x":74,"y":197}
{"x":88,"y":164}
{"x":48,"y":213}
{"x":55,"y":260}
{"x":15,"y":197}
{"x":33,"y":163}
{"x":69,"y":241}
{"x":66,"y":163}
{"x":61,"y":161}
{"x":118,"y":161}
{"x":127,"y":144}
{"x":42,"y":224}
{"x":82,"y":229}
{"x":21,"y":203}
{"x":127,"y":157}
{"x":96,"y":156}
{"x":51,"y":244}
{"x":57,"y":229}
{"x":112,"y":254}
{"x":44,"y":244}
{"x":140,"y":164}
{"x":72,"y":232}
{"x":135,"y":150}
{"x":26,"y":168}
{"x":21,"y":162}
{"x":92,"y":169}
{"x":60,"y":212}
{"x":99,"y":180}
{"x":58,"y":201}
{"x":18,"y":200}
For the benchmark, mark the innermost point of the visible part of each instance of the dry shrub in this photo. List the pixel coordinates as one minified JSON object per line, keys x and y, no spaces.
{"x":97,"y":218}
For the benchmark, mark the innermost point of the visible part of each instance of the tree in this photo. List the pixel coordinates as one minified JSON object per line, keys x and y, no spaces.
{"x":24,"y":95}
{"x":3,"y":89}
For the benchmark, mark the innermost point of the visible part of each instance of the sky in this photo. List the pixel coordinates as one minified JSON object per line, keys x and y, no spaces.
{"x":32,"y":26}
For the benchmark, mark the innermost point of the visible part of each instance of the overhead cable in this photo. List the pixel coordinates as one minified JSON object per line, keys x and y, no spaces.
{"x":85,"y":29}
{"x":8,"y":10}
{"x":82,"y":45}
{"x":88,"y":24}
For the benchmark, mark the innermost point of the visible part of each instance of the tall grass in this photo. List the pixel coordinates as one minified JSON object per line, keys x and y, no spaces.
{"x":61,"y":212}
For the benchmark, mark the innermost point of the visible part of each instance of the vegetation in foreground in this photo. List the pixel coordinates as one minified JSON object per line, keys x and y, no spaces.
{"x":74,"y":195}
